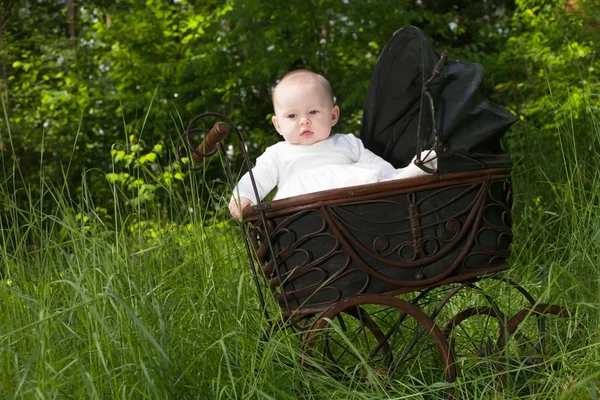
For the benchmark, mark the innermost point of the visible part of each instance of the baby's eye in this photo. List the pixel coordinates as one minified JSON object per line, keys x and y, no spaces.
{"x":291,"y":116}
{"x":313,"y":112}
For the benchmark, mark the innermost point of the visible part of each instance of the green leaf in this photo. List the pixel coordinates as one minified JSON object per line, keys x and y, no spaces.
{"x":150,"y":157}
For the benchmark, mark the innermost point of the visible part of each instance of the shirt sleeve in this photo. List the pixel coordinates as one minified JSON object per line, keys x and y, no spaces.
{"x":266,"y":176}
{"x":366,"y":156}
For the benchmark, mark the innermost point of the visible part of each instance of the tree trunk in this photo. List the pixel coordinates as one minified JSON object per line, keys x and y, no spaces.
{"x":4,"y":8}
{"x":71,"y":20}
{"x":107,"y":17}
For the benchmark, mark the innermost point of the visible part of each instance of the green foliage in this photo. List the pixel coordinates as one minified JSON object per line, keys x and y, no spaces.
{"x":548,"y":71}
{"x":161,"y":310}
{"x":102,"y":113}
{"x":68,"y":102}
{"x":548,"y":41}
{"x":140,"y":175}
{"x":120,"y":276}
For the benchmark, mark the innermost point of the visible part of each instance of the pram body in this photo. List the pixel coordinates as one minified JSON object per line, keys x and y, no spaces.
{"x":347,"y":253}
{"x":386,"y":238}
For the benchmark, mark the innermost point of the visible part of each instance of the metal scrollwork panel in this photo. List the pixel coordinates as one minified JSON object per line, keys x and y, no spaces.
{"x":412,"y":239}
{"x":314,"y":268}
{"x":494,"y":235}
{"x":388,"y":243}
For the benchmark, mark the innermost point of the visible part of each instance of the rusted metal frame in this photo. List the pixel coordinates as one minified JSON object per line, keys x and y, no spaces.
{"x":433,"y":315}
{"x":402,"y":305}
{"x":477,"y":310}
{"x":314,"y":309}
{"x":502,"y":203}
{"x":415,"y":224}
{"x":365,"y":321}
{"x":374,"y":191}
{"x":468,"y":313}
{"x":444,"y":301}
{"x":468,"y":187}
{"x":340,"y":229}
{"x":448,"y":297}
{"x":295,"y":295}
{"x":296,"y":321}
{"x":415,"y":302}
{"x":287,"y":252}
{"x":494,"y":307}
{"x":295,"y":246}
{"x":338,"y":208}
{"x":532,"y":301}
{"x":453,"y":279}
{"x":295,"y":216}
{"x":299,"y":270}
{"x":302,"y":269}
{"x":488,"y":297}
{"x":261,"y":208}
{"x":253,"y":267}
{"x":409,"y":221}
{"x":419,"y":263}
{"x":472,"y":283}
{"x":269,"y":266}
{"x":504,"y":229}
{"x":394,"y":329}
{"x":487,"y":251}
{"x":323,"y":286}
{"x":539,"y":310}
{"x":495,"y":254}
{"x":275,"y":283}
{"x":196,"y":153}
{"x":318,"y":307}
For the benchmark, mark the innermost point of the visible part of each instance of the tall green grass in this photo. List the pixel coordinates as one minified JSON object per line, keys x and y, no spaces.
{"x":89,"y":309}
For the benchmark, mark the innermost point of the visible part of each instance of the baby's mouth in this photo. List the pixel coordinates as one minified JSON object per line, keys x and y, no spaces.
{"x":306,"y":133}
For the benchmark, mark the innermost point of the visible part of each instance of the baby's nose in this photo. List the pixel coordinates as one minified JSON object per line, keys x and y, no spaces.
{"x":304,"y":121}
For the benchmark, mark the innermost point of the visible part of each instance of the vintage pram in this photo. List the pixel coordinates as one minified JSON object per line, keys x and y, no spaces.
{"x":387,"y":277}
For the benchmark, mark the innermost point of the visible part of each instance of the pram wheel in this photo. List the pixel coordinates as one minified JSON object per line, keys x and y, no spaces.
{"x":534,"y":339}
{"x":380,"y":337}
{"x":470,"y":332}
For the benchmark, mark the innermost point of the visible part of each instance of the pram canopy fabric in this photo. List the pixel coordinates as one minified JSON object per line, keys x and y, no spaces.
{"x":397,"y":111}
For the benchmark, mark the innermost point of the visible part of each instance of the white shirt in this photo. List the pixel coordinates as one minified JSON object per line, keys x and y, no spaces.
{"x":340,"y":160}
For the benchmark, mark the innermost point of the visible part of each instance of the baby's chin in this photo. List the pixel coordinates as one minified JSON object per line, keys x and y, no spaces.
{"x":309,"y":139}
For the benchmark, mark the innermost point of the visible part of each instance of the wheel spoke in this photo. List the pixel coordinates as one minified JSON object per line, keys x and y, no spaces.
{"x":378,"y":327}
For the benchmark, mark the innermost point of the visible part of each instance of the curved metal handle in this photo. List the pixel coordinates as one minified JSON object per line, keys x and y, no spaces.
{"x":210,"y":144}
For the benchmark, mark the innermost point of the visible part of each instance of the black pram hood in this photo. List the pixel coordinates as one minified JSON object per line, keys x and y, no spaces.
{"x":397,"y":109}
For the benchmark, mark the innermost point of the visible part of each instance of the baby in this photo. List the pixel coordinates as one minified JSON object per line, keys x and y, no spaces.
{"x":310,"y":160}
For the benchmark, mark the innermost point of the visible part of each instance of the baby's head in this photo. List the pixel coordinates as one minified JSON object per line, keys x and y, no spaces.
{"x":304,"y":109}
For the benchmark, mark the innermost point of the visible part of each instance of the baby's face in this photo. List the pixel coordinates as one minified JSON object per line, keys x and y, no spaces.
{"x":304,"y":113}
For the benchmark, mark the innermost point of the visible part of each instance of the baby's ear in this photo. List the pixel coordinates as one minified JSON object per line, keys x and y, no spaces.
{"x":276,"y":124}
{"x":335,"y":115}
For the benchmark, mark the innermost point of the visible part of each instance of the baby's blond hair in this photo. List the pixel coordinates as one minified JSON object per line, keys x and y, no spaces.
{"x":305,"y":76}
